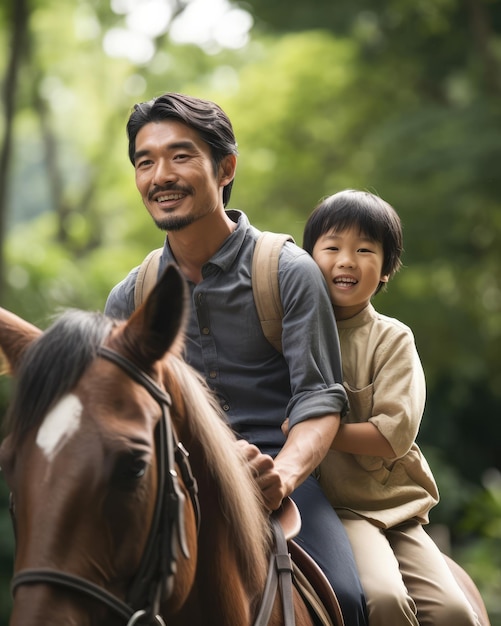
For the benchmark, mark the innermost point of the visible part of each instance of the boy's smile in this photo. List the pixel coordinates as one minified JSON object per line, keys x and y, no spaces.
{"x":352,"y":265}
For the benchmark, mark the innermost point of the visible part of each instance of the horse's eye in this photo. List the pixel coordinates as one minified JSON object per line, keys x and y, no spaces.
{"x":138,"y":468}
{"x":130,"y":468}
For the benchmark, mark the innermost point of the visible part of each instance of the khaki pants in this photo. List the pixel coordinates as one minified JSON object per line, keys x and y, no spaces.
{"x":404,"y":576}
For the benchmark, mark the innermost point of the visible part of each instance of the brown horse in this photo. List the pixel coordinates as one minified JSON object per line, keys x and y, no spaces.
{"x":470,"y":590}
{"x":104,"y":503}
{"x":110,"y":525}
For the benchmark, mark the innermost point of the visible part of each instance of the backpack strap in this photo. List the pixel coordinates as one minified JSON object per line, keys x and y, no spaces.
{"x":265,"y":285}
{"x":147,"y":276}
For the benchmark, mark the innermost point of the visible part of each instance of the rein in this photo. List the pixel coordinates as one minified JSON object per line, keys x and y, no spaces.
{"x":155,"y":575}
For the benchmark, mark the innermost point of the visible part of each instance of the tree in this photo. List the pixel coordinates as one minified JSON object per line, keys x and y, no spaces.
{"x":19,"y":20}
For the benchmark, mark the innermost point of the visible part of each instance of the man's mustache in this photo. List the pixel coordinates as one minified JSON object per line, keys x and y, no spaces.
{"x":172,"y":188}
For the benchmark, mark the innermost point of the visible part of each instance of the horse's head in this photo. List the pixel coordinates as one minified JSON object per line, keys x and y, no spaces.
{"x":81,"y":458}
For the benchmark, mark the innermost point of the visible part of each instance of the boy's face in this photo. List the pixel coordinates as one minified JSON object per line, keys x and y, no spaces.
{"x":352,"y":266}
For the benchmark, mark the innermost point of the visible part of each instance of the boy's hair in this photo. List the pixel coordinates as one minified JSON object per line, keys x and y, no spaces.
{"x":204,"y":116}
{"x":374,"y":218}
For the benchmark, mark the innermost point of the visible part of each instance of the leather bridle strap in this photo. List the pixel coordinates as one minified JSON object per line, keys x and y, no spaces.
{"x":158,"y":565}
{"x":52,"y":577}
{"x":279,"y":578}
{"x":48,"y":576}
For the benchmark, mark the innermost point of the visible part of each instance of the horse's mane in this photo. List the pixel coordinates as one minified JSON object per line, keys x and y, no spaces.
{"x":240,"y":498}
{"x":52,"y":365}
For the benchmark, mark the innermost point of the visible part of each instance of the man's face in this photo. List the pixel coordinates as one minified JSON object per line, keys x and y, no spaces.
{"x":175,"y":174}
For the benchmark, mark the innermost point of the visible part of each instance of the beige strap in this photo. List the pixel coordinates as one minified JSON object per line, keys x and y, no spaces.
{"x":147,"y":276}
{"x":265,"y":285}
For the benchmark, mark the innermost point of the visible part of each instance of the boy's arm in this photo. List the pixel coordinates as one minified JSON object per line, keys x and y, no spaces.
{"x":362,"y":438}
{"x":398,"y":396}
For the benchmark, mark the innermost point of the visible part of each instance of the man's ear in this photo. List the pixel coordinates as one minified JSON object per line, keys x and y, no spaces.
{"x":227,"y":169}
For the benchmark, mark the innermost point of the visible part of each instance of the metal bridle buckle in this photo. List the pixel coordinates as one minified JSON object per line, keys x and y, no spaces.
{"x":135,"y":619}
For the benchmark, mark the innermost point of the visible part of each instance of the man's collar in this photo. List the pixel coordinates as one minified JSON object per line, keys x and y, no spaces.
{"x":228,"y":252}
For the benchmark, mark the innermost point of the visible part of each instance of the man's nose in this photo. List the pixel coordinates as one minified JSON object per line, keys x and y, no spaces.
{"x":163,"y":173}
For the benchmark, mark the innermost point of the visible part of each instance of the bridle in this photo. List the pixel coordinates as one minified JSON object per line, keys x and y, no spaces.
{"x":155,"y":576}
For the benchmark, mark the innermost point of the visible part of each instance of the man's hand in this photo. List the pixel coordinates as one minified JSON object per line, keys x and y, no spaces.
{"x":266,"y":476}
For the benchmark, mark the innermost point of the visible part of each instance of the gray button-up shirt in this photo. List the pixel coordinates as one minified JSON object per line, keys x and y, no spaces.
{"x":257,"y":387}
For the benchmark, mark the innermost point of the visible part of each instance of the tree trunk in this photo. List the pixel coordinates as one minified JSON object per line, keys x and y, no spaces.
{"x":19,"y":20}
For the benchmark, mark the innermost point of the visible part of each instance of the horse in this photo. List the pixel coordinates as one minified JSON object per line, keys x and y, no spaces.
{"x":131,"y":502}
{"x":469,"y":589}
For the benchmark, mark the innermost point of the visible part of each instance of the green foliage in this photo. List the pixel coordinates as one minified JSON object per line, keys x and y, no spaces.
{"x":296,"y":125}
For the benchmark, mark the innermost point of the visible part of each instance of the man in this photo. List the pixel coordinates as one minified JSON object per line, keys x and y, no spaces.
{"x":184,"y":153}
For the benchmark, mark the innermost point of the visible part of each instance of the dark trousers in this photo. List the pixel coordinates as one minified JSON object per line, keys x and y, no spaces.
{"x":324,"y":538}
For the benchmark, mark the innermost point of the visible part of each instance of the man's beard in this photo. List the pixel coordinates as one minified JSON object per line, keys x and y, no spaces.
{"x":175,"y":223}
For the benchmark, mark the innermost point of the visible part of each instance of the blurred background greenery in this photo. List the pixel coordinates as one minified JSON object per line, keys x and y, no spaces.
{"x":399,"y":98}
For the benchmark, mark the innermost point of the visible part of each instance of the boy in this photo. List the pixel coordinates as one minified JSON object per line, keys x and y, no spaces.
{"x":375,"y":475}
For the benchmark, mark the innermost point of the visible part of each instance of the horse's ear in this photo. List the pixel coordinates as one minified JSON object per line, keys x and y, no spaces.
{"x":15,"y":336}
{"x":156,"y":325}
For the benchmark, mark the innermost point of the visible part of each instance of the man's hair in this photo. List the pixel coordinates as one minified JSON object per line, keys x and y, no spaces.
{"x":205,"y":117}
{"x":374,"y":218}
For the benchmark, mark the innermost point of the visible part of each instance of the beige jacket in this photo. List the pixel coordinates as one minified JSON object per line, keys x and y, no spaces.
{"x":384,"y":379}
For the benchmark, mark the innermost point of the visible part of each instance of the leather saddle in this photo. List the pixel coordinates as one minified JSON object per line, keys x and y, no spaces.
{"x":308,"y":578}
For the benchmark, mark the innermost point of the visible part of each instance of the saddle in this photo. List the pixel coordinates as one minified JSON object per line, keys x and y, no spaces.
{"x":307,"y":576}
